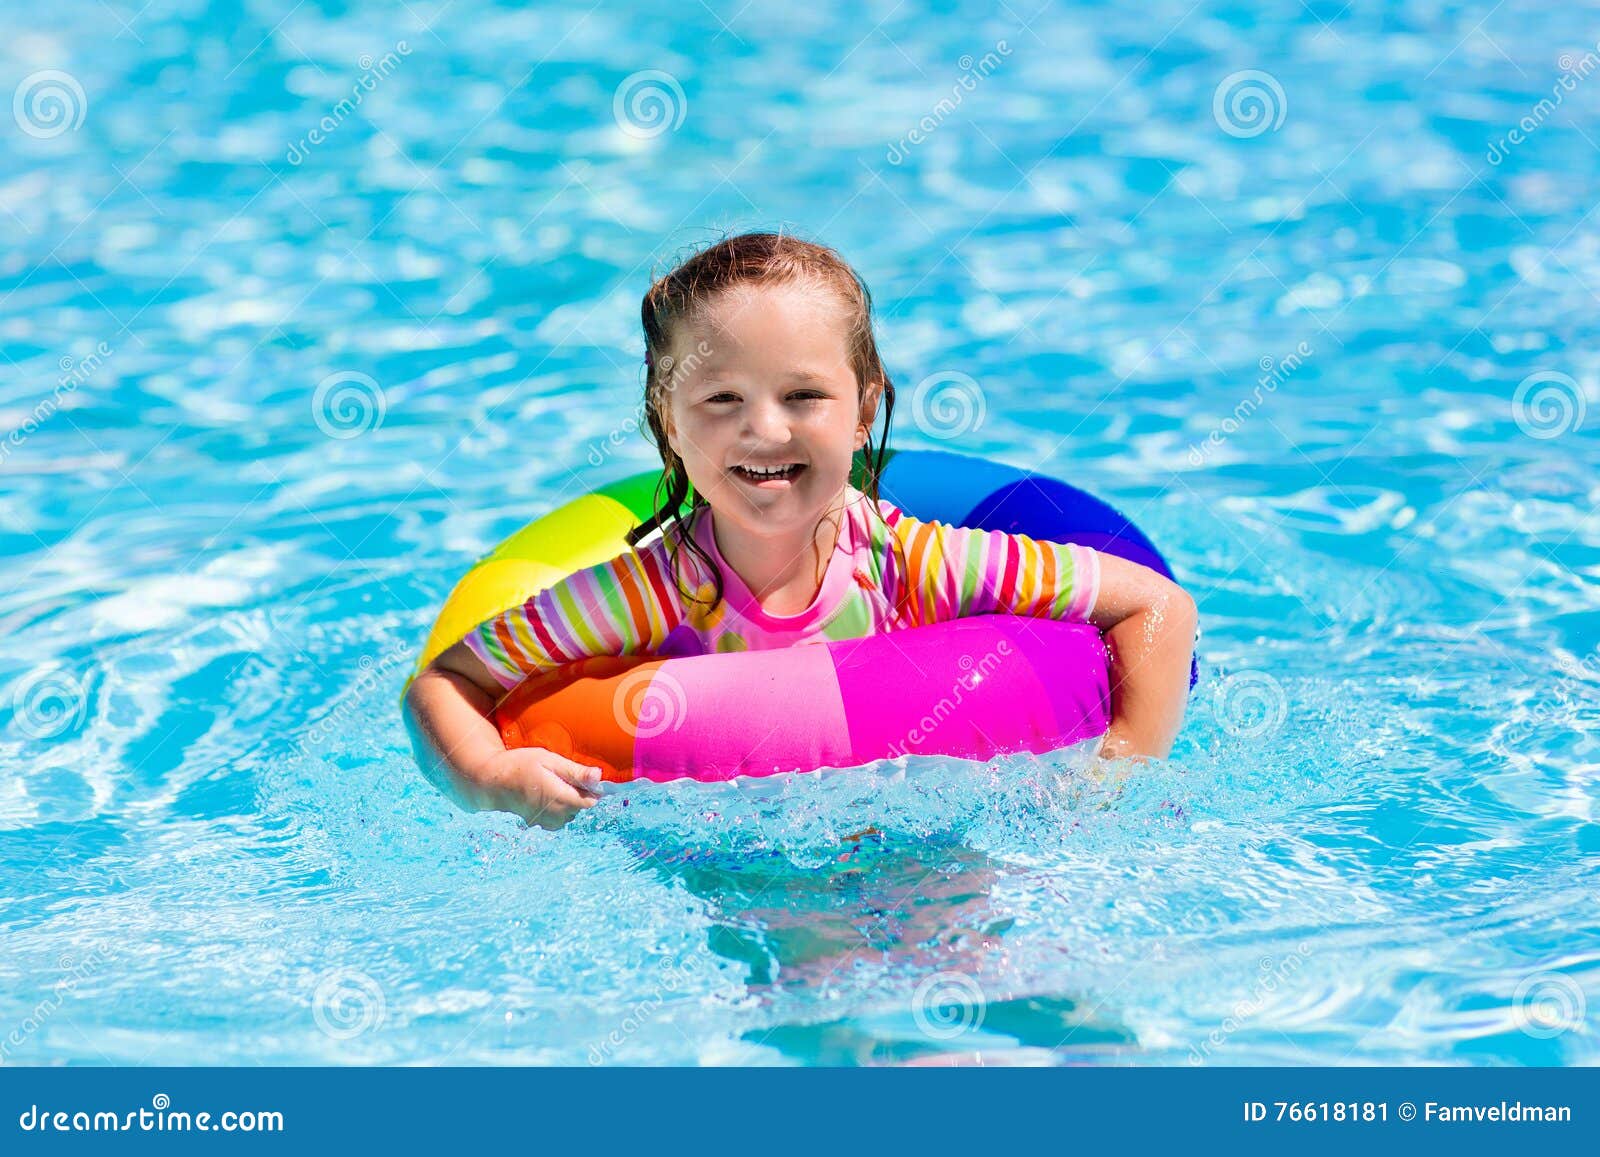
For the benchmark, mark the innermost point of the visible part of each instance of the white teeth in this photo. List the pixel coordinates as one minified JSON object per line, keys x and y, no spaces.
{"x":769,"y":471}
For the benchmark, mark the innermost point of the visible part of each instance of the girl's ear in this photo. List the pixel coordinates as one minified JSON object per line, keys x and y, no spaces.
{"x":869,"y":412}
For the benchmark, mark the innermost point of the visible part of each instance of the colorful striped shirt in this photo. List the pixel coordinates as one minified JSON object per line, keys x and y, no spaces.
{"x":889,"y":571}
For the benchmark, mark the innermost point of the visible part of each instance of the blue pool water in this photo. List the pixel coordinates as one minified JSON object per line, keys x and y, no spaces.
{"x":1273,"y":278}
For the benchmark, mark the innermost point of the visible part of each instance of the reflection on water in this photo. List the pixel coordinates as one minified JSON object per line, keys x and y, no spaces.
{"x":921,"y":918}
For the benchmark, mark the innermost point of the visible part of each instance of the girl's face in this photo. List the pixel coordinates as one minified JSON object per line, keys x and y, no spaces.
{"x":763,"y":407}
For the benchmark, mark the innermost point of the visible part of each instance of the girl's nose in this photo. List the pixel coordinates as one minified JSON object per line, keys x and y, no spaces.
{"x":767,"y":423}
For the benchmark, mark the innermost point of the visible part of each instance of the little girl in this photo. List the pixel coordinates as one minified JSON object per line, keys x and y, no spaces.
{"x":763,"y":381}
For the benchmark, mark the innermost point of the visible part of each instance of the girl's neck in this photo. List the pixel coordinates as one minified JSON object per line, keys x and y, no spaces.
{"x":784,"y":574}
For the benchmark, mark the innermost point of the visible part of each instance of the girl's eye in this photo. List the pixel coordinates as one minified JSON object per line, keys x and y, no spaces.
{"x":808,"y":395}
{"x":723,"y":396}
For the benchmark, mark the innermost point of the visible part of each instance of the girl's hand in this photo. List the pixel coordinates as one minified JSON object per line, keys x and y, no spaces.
{"x":1149,"y":626}
{"x":542,"y":787}
{"x":459,"y":749}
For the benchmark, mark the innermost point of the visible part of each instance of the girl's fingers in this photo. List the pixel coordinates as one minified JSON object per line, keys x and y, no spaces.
{"x":531,"y":760}
{"x":560,"y":793}
{"x":551,"y":787}
{"x":581,"y":775}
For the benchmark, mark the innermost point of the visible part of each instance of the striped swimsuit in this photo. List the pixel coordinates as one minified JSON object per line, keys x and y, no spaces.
{"x":887,"y":573}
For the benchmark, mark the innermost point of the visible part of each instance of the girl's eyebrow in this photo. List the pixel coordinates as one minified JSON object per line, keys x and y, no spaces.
{"x":718,"y":377}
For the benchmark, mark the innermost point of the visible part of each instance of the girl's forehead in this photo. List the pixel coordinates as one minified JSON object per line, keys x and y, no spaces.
{"x":759,"y":323}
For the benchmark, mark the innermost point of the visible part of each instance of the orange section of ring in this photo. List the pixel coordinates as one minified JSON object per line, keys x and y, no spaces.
{"x":591,"y":696}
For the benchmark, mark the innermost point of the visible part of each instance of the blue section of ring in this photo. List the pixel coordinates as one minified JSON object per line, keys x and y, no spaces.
{"x":938,"y":486}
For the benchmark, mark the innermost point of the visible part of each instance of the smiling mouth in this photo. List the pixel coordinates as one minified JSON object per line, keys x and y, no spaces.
{"x":760,"y":474}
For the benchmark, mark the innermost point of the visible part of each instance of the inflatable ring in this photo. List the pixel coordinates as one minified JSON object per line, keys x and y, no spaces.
{"x":972,"y":688}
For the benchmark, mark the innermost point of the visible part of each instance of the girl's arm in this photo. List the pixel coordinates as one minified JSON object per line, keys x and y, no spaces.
{"x":1149,"y":624}
{"x":1149,"y":621}
{"x":607,"y":609}
{"x":459,"y":748}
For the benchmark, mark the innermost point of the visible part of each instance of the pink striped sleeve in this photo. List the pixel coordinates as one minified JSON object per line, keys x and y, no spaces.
{"x":1086,"y":583}
{"x":607,"y":609}
{"x":957,"y":571}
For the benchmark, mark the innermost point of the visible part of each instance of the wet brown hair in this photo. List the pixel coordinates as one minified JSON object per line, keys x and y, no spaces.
{"x":679,"y":297}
